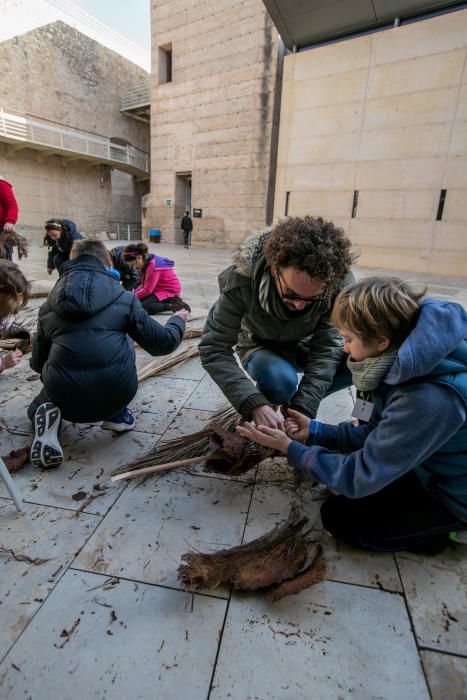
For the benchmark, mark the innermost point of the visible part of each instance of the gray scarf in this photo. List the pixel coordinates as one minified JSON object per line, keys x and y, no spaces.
{"x":367,"y":374}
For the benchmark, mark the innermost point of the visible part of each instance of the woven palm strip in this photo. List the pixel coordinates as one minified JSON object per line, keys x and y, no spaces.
{"x":157,"y":367}
{"x":39,"y":294}
{"x":192,"y":333}
{"x":193,"y":445}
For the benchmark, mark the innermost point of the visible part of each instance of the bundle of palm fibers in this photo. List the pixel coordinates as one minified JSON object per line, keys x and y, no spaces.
{"x":281,"y":562}
{"x":192,"y":445}
{"x":23,"y":344}
{"x":156,"y":366}
{"x":11,"y":238}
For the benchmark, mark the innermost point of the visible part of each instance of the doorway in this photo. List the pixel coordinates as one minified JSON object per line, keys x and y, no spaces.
{"x":182,"y":202}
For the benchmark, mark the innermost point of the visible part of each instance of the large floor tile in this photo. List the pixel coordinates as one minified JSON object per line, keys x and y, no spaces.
{"x":158,"y":401}
{"x":446,"y":675}
{"x":39,"y":533}
{"x":436,"y":592}
{"x":351,"y":565}
{"x":83,"y":478}
{"x":129,"y":641}
{"x":330,"y":641}
{"x":207,"y":396}
{"x":271,"y":504}
{"x":155,"y":522}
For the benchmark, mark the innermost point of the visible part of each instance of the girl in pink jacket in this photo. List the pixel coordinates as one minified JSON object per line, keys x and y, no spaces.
{"x":160,"y":287}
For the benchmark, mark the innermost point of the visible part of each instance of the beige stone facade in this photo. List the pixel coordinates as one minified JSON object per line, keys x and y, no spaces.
{"x":385,"y":115}
{"x":63,"y":79}
{"x":211,"y":124}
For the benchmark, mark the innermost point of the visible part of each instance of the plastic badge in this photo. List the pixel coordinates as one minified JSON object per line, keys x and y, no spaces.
{"x":363,"y":410}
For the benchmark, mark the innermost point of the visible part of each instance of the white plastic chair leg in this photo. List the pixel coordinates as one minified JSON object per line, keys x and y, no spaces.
{"x":10,"y":484}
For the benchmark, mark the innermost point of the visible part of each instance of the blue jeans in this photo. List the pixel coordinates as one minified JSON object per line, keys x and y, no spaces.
{"x":277,"y":378}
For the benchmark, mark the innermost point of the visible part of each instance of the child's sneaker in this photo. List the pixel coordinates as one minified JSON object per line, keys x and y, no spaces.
{"x":46,"y":450}
{"x":121,"y":422}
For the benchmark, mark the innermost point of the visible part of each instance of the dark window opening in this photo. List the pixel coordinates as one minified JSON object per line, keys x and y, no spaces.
{"x":442,"y":199}
{"x":355,"y":204}
{"x":287,"y":197}
{"x":165,"y":64}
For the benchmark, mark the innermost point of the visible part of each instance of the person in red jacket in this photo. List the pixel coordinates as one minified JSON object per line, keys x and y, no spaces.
{"x":8,"y":212}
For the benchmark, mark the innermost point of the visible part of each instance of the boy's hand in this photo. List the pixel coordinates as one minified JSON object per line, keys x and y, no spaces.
{"x":297,"y":426}
{"x":269,"y":437}
{"x":12,"y":358}
{"x":183,"y":314}
{"x":8,"y":228}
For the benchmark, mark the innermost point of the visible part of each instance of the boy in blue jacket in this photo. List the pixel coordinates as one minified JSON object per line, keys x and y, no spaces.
{"x":84,"y":350}
{"x":402,"y":472}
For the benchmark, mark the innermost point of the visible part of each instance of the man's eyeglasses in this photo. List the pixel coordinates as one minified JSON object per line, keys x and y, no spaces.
{"x":291,"y":296}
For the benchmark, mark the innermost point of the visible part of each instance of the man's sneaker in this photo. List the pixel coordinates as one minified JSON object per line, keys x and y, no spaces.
{"x":178,"y":304}
{"x":46,"y":450}
{"x":121,"y":422}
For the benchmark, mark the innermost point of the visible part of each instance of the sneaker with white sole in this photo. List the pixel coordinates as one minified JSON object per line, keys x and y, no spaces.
{"x":121,"y":422}
{"x":46,"y":450}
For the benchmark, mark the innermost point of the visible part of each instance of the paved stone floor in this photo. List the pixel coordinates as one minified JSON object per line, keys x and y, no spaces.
{"x":105,"y":617}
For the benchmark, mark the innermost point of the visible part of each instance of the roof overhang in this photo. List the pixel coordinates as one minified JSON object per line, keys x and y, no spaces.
{"x":303,"y":23}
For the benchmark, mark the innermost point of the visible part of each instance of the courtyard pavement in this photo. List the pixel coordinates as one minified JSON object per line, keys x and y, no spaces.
{"x":104,"y":615}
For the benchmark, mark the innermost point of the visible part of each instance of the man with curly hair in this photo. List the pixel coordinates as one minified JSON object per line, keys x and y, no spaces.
{"x":274,"y":310}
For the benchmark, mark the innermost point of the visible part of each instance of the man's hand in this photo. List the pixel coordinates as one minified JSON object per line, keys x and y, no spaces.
{"x":12,"y":358}
{"x":49,"y":270}
{"x":266,"y":415}
{"x":297,"y":425}
{"x":183,"y":314}
{"x":269,"y":437}
{"x":8,"y":228}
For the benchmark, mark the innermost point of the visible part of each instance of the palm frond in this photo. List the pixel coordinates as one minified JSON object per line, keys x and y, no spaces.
{"x":186,"y":446}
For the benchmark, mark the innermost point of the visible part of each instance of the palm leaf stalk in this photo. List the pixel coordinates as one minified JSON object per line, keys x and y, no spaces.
{"x":154,"y":367}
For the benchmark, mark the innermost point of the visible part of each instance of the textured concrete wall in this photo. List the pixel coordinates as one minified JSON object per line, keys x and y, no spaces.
{"x":57,"y":74}
{"x":384,"y":114}
{"x":214,"y":118}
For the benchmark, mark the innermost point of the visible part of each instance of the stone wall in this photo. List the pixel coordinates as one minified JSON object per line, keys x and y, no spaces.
{"x":385,"y":115}
{"x":55,"y":73}
{"x":213,"y":120}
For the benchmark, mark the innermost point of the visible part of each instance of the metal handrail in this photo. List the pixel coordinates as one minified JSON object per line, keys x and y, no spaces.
{"x":31,"y":130}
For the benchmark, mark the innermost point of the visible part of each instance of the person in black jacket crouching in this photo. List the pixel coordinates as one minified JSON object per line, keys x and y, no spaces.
{"x":83,"y":350}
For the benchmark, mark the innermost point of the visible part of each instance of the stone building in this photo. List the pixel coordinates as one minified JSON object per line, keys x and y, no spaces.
{"x":65,"y":145}
{"x":373,"y":134}
{"x":214,"y":73}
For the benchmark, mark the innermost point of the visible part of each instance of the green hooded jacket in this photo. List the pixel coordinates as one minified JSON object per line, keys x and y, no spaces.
{"x":238,"y":322}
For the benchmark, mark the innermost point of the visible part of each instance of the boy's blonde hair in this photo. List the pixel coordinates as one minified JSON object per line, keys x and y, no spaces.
{"x":378,"y":307}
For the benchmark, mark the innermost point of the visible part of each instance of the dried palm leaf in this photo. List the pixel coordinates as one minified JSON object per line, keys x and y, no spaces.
{"x":186,"y":446}
{"x":11,"y":238}
{"x":193,"y":333}
{"x":16,"y":459}
{"x":273,"y":562}
{"x":157,"y":366}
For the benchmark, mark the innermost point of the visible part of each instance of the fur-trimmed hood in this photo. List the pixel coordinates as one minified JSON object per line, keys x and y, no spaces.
{"x":246,"y":255}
